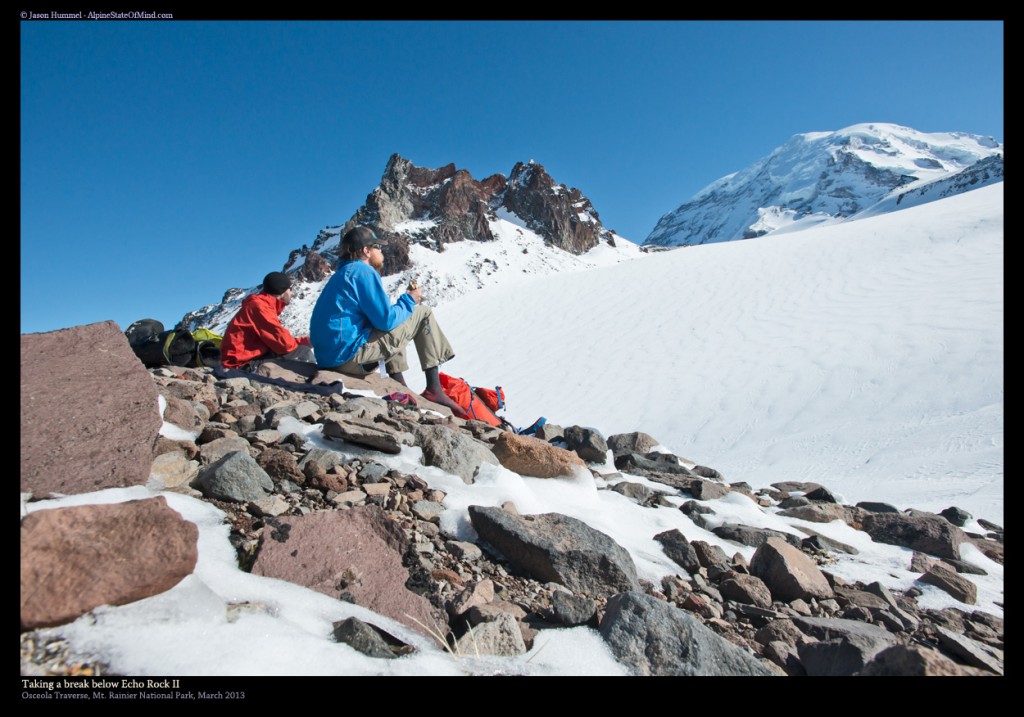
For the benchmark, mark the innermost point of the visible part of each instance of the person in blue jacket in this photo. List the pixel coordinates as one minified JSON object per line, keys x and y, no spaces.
{"x":354,"y":325}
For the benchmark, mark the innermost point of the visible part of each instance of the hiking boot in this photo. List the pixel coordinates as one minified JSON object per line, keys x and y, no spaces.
{"x":440,"y":398}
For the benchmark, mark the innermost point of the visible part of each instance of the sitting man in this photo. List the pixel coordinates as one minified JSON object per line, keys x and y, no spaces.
{"x":354,"y":325}
{"x":256,"y":335}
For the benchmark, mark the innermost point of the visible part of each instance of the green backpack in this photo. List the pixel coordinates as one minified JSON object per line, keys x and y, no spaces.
{"x":177,"y":347}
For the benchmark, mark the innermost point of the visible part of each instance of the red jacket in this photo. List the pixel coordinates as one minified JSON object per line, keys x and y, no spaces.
{"x":256,"y":331}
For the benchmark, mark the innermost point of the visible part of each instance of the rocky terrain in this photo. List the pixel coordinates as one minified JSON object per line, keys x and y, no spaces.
{"x":358,"y":531}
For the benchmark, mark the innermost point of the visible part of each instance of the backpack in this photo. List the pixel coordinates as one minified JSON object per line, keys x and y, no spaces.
{"x":481,"y":403}
{"x":177,"y":347}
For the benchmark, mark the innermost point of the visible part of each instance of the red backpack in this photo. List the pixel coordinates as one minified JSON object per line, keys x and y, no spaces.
{"x":479,"y":404}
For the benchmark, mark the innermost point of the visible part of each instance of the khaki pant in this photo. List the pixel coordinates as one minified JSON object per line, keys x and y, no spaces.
{"x":421,"y":328}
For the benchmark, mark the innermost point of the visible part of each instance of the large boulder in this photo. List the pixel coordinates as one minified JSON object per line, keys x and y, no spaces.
{"x":930,"y":534}
{"x":636,"y":442}
{"x":355,"y":553}
{"x":652,"y":637}
{"x":78,"y":433}
{"x":843,"y":647}
{"x":75,"y":559}
{"x":788,"y":573}
{"x":533,"y":457}
{"x":453,"y":451}
{"x":557,"y":548}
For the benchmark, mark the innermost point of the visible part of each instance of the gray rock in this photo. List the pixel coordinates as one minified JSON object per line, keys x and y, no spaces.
{"x":792,"y":486}
{"x":550,"y":432}
{"x":453,"y":451}
{"x":636,"y":442}
{"x":363,"y":637}
{"x":587,"y":443}
{"x":873,"y":507}
{"x":634,"y":491}
{"x":705,"y":472}
{"x":817,"y":541}
{"x":569,"y":610}
{"x":754,"y":537}
{"x":708,"y":490}
{"x":987,"y":525}
{"x":652,"y":637}
{"x":464,"y":551}
{"x":949,"y":581}
{"x":845,"y":645}
{"x":324,"y":458}
{"x":961,"y":567}
{"x":363,"y":407}
{"x":641,"y":465}
{"x":795,"y":501}
{"x":236,"y":477}
{"x":679,"y":550}
{"x":213,"y":451}
{"x":968,"y":650}
{"x":363,"y":432}
{"x":427,"y":510}
{"x":500,"y":636}
{"x":956,"y":516}
{"x":840,"y":657}
{"x":928,"y":533}
{"x":909,"y":621}
{"x":558,"y":548}
{"x":788,"y":573}
{"x":372,"y":473}
{"x":273,"y":417}
{"x":821,"y":495}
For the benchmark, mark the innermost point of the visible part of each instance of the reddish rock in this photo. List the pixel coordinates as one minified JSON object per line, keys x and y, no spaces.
{"x":532,"y":457}
{"x":181,"y":413}
{"x":356,"y":551}
{"x":76,"y":559}
{"x":89,"y":411}
{"x":788,"y":573}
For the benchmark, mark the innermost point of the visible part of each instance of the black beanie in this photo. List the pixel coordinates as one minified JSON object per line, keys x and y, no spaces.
{"x":276,"y":283}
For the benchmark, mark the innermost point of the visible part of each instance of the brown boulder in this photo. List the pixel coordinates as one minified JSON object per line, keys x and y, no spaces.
{"x":78,"y":432}
{"x":75,"y":559}
{"x":788,"y":573}
{"x":356,"y":551}
{"x":532,"y":457}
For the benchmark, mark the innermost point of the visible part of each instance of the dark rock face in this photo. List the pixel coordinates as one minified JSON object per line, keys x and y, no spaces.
{"x":76,"y":559}
{"x":678,"y":548}
{"x":556,"y":548}
{"x":956,"y":516}
{"x":587,"y":443}
{"x":876,"y":507}
{"x":357,"y":551}
{"x":642,"y":465}
{"x":565,"y":218}
{"x":461,"y":208}
{"x":652,"y":637}
{"x":844,"y":647}
{"x":71,"y":417}
{"x":754,"y":537}
{"x":571,"y":610}
{"x":930,"y":534}
{"x":363,"y":637}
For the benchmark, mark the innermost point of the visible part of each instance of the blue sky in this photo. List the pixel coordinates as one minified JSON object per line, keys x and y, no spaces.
{"x":165,"y":162}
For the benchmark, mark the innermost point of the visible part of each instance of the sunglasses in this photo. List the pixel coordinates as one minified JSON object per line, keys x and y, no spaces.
{"x":377,"y":246}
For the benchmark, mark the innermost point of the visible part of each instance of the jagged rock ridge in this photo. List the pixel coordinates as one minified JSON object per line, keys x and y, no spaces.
{"x":434,"y":208}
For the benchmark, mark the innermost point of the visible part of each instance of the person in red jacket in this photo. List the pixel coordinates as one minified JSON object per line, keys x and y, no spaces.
{"x":256,"y":334}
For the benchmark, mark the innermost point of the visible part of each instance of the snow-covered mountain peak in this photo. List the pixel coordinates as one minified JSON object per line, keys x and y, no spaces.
{"x":823,"y":176}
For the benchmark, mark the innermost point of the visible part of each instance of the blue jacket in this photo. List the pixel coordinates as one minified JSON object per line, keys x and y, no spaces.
{"x":352,"y":304}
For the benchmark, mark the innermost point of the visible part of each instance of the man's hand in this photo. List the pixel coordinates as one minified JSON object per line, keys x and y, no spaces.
{"x":416,"y":294}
